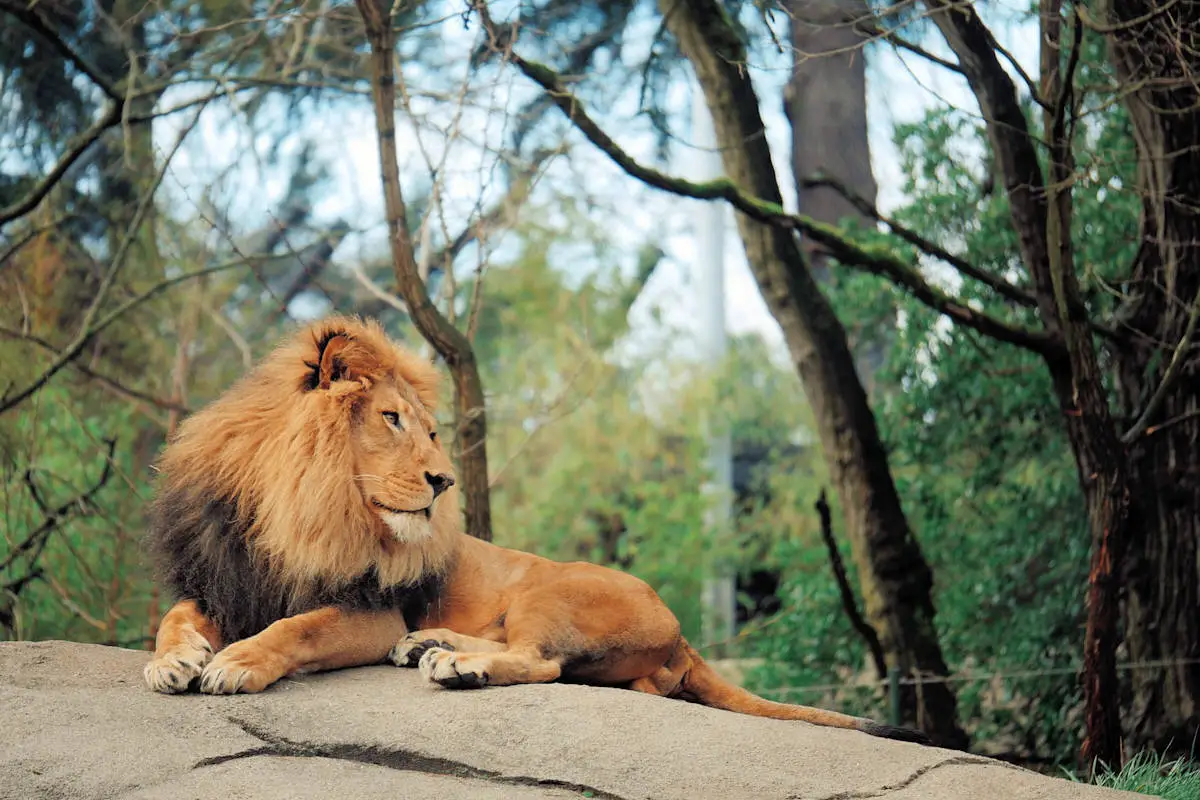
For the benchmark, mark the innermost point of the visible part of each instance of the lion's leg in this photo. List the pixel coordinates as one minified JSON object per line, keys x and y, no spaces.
{"x":186,"y":642}
{"x":328,"y":638}
{"x":408,"y":651}
{"x":601,"y":626}
{"x":475,"y":670}
{"x":586,"y":623}
{"x":665,"y":681}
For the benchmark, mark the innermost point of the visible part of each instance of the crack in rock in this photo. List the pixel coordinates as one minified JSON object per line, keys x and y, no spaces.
{"x":391,"y":758}
{"x":911,"y":779}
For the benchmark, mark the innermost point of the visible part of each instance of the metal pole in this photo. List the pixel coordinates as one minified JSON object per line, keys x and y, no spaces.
{"x":719,"y":596}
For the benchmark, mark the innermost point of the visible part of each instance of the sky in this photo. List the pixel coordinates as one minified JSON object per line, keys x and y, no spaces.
{"x":901,"y":88}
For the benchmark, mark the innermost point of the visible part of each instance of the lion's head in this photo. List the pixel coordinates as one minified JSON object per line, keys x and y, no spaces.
{"x":328,"y":453}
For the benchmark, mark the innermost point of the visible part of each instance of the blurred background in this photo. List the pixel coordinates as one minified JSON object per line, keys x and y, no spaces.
{"x":182,"y":183}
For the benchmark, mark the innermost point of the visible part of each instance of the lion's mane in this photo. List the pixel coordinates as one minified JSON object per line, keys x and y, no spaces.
{"x":257,"y":515}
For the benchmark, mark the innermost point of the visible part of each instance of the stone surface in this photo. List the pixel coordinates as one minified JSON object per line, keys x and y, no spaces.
{"x":77,"y":722}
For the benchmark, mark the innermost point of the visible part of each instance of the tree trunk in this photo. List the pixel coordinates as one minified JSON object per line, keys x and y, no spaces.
{"x":1160,"y":372}
{"x":470,"y":414}
{"x":826,"y":102}
{"x":896,"y":580}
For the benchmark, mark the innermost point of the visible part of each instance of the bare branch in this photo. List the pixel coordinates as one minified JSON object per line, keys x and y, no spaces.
{"x":1174,"y":366}
{"x":874,"y":260}
{"x":87,"y":334}
{"x":375,"y":289}
{"x":57,"y":516}
{"x":112,"y":383}
{"x":1012,"y":143}
{"x":110,"y":119}
{"x":86,"y":330}
{"x":849,"y":604}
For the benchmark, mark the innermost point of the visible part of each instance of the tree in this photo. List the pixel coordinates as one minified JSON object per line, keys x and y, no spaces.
{"x":895,"y":578}
{"x":1121,"y":463}
{"x":1157,"y":367}
{"x":1119,"y":457}
{"x":826,"y":102}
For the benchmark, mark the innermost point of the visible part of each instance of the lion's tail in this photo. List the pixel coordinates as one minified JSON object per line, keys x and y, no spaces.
{"x":702,"y":684}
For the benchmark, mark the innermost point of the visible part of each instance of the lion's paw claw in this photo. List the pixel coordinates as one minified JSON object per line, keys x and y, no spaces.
{"x":441,"y":666}
{"x":409,"y":651}
{"x":231,"y":672}
{"x":174,"y":671}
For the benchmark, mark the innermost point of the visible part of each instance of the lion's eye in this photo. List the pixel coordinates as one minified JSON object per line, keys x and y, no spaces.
{"x":433,"y":436}
{"x":393,"y":419}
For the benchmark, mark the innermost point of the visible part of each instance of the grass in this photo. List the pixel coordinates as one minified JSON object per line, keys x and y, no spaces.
{"x":1151,"y":774}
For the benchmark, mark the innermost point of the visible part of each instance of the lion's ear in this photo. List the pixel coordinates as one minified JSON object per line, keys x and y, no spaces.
{"x":333,"y":365}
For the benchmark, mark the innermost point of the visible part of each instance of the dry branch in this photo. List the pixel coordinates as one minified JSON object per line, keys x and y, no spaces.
{"x":875,"y":260}
{"x":35,"y":542}
{"x":87,"y":334}
{"x":849,"y":604}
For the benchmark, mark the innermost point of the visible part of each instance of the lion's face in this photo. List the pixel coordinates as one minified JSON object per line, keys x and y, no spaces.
{"x":399,"y":463}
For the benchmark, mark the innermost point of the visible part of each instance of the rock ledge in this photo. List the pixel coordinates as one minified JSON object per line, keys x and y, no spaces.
{"x":77,"y":722}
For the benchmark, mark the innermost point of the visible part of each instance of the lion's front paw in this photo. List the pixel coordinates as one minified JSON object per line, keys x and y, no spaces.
{"x":174,"y":670}
{"x":444,"y":667}
{"x":409,"y":650}
{"x":242,"y":667}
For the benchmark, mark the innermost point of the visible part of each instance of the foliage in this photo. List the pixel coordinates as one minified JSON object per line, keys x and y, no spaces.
{"x":95,"y":586}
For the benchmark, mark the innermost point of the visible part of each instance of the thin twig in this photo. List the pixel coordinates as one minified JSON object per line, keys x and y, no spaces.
{"x":376,"y":290}
{"x":87,"y":335}
{"x":55,"y":517}
{"x":849,"y":603}
{"x":1174,"y":367}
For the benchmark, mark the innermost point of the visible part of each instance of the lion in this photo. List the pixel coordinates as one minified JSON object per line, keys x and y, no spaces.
{"x":308,"y":520}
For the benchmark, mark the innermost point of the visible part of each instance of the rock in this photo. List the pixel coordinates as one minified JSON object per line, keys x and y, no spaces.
{"x":77,"y":722}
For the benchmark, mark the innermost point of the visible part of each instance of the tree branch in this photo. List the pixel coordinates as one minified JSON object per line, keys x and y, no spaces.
{"x":871,"y":27}
{"x":868,"y":209}
{"x":112,"y":383}
{"x":110,"y":119}
{"x":1012,"y":143}
{"x":502,"y":213}
{"x":450,"y":343}
{"x":86,"y":331}
{"x":86,"y":335}
{"x":1174,"y":366}
{"x":60,"y":514}
{"x":875,"y":260}
{"x":849,"y":604}
{"x":27,"y":13}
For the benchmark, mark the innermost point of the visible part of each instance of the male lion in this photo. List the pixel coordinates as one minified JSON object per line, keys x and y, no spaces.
{"x":306,"y":520}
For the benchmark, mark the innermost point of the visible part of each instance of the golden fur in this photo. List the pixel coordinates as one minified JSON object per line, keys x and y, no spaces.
{"x":311,"y":489}
{"x":273,"y":439}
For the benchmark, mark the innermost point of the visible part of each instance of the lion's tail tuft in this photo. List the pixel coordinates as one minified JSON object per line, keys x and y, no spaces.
{"x":703,"y":685}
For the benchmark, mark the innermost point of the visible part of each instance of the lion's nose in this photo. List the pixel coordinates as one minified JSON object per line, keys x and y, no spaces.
{"x":439,"y":481}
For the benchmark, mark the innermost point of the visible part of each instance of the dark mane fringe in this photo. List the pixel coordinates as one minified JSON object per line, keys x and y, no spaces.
{"x":199,"y":544}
